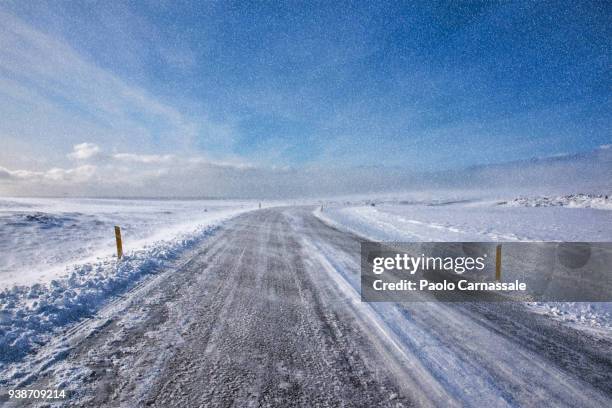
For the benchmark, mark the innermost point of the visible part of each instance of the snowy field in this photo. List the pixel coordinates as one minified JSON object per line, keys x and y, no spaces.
{"x":468,"y":219}
{"x":414,"y":218}
{"x":59,"y":263}
{"x":40,"y":238}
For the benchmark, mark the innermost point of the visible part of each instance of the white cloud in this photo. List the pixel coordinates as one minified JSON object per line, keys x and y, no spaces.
{"x":231,"y":163}
{"x":84,"y":151}
{"x":5,"y":173}
{"x":78,"y":174}
{"x":144,"y":158}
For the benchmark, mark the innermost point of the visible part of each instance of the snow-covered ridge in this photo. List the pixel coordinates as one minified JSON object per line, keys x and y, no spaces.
{"x":601,"y":202}
{"x":29,"y":314}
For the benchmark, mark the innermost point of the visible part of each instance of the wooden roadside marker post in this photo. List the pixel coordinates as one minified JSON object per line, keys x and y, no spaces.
{"x":119,"y":243}
{"x":498,"y":259}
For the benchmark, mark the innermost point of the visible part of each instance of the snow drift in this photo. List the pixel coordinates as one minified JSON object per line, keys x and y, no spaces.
{"x":31,"y":313}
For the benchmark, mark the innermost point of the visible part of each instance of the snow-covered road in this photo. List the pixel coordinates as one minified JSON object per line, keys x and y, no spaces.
{"x":267,"y":312}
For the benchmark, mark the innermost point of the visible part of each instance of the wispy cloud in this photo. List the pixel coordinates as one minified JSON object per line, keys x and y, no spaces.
{"x":48,"y":89}
{"x":111,"y":99}
{"x":144,"y":158}
{"x":77,"y":175}
{"x":84,"y":151}
{"x":100,"y":172}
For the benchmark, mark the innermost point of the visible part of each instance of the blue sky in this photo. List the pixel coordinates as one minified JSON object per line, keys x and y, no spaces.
{"x":299,"y":85}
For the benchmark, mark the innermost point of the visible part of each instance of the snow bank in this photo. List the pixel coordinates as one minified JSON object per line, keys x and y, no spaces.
{"x":40,"y":238}
{"x":30,"y":314}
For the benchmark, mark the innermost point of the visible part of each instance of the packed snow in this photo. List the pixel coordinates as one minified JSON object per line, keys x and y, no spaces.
{"x":416,"y":218}
{"x":59,"y":263}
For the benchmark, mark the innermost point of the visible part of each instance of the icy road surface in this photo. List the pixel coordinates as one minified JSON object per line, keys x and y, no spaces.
{"x":267,"y":313}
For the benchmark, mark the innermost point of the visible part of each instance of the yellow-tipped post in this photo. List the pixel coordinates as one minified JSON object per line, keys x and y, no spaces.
{"x":119,"y":243}
{"x":498,"y":260}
